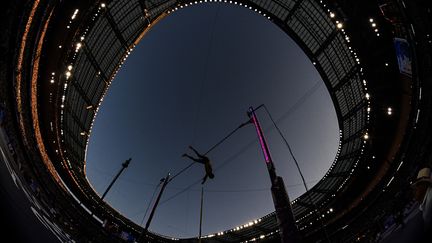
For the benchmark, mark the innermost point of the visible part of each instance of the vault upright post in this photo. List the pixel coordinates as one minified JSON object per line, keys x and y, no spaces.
{"x":145,"y":230}
{"x":285,"y":217}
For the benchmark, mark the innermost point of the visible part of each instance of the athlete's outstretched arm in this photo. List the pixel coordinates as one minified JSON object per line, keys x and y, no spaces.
{"x":194,"y":159}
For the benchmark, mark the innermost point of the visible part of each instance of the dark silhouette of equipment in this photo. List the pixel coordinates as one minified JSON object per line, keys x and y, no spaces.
{"x":165,"y":182}
{"x":287,"y":228}
{"x":124,"y":166}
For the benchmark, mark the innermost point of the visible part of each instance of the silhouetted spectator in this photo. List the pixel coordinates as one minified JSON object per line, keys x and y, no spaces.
{"x":423,"y":194}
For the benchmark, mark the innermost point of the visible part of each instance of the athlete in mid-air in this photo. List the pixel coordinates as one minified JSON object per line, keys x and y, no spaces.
{"x":202,"y":159}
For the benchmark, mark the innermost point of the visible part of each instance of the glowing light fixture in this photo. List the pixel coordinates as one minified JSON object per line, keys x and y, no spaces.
{"x":366,"y":136}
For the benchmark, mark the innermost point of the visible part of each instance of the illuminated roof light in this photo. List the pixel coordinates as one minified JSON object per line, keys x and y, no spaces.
{"x":68,"y":74}
{"x":367,"y":95}
{"x":376,"y":30}
{"x":103,"y":5}
{"x":74,"y":14}
{"x":366,"y":136}
{"x":373,"y":25}
{"x":378,"y":34}
{"x":386,"y":64}
{"x":339,"y":25}
{"x":69,"y":67}
{"x":332,"y":15}
{"x":52,"y":81}
{"x":60,"y":47}
{"x":368,"y":167}
{"x":371,"y":20}
{"x":389,"y":111}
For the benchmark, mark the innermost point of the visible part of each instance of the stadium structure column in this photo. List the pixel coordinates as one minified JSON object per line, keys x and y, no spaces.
{"x":287,"y":228}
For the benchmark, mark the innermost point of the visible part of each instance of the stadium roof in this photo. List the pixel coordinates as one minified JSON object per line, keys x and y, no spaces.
{"x":378,"y":101}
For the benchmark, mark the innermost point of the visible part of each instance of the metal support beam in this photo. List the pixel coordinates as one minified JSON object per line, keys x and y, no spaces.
{"x":326,"y":43}
{"x":354,"y":111}
{"x":350,"y":74}
{"x":293,"y":10}
{"x":81,"y":92}
{"x":116,"y":30}
{"x":88,"y":53}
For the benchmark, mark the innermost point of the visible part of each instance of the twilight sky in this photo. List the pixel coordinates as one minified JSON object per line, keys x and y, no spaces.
{"x":190,"y":81}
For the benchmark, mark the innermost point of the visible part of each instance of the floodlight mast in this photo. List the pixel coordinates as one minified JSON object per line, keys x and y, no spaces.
{"x":287,"y":228}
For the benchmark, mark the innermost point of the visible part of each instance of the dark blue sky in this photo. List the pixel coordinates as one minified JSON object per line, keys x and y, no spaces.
{"x":190,"y":81}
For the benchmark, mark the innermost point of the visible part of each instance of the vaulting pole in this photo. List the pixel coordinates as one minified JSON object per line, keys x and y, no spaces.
{"x":287,"y":228}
